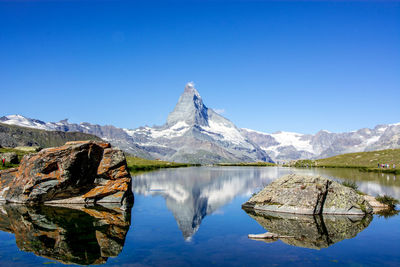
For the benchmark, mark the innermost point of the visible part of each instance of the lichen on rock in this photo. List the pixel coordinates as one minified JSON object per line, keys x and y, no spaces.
{"x":300,"y":194}
{"x":79,"y":172}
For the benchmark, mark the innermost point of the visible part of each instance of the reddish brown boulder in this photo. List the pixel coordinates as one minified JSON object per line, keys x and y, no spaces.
{"x":77,"y":173}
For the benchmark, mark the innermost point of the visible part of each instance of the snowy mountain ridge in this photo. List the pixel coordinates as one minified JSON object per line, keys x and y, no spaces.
{"x":290,"y":145}
{"x":195,"y":133}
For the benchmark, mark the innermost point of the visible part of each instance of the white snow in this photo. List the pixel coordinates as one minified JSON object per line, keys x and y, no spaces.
{"x":176,"y":130}
{"x":227,"y":132}
{"x":372,"y":140}
{"x":382,"y":129}
{"x":287,"y":139}
{"x":293,"y":139}
{"x":190,"y":84}
{"x":25,"y":122}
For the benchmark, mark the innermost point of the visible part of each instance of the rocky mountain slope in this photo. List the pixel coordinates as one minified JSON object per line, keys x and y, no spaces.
{"x":195,"y":133}
{"x":12,"y":136}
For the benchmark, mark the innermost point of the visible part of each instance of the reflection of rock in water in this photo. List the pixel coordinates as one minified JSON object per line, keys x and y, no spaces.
{"x":71,"y":235}
{"x":309,"y":231}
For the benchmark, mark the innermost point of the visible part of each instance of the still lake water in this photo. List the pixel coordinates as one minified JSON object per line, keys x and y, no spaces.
{"x":193,"y":216}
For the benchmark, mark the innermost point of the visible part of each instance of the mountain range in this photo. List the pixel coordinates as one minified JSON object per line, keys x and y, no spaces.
{"x":195,"y":133}
{"x":13,"y":136}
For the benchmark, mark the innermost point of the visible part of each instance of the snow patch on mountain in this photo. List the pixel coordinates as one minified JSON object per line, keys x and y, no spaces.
{"x":226,"y":132}
{"x":176,"y":130}
{"x":292,"y":139}
{"x":20,"y":120}
{"x":289,"y":146}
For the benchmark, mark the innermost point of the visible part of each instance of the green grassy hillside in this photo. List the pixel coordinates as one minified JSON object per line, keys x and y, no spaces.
{"x":363,"y":159}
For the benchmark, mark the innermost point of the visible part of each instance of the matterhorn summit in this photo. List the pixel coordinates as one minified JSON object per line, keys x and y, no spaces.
{"x":195,"y":133}
{"x":189,"y":109}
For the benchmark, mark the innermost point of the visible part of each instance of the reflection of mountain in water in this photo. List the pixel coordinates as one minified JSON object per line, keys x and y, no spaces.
{"x":71,"y":235}
{"x":193,"y":193}
{"x":314,"y":232}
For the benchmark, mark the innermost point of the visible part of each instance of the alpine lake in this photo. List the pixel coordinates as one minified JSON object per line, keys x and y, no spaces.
{"x":193,"y":217}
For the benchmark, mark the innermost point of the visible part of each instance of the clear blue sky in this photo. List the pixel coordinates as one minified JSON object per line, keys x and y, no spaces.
{"x":294,"y":66}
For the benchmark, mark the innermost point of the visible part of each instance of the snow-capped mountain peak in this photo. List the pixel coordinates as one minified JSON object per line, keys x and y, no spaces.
{"x":190,"y":108}
{"x":190,"y":89}
{"x":20,"y":120}
{"x":193,"y":129}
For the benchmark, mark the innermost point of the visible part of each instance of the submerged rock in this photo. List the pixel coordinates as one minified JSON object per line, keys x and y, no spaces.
{"x":375,"y":204}
{"x":300,"y":194}
{"x":315,"y":232}
{"x":79,"y":172}
{"x":72,"y":234}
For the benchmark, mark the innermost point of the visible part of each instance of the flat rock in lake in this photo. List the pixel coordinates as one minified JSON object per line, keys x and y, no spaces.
{"x":301,"y":194}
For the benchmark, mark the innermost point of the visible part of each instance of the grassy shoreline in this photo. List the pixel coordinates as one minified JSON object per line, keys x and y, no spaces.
{"x":360,"y":168}
{"x":248,"y":164}
{"x":136,"y":164}
{"x":363,"y":161}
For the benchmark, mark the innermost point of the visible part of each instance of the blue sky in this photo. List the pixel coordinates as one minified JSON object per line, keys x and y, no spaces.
{"x":270,"y":65}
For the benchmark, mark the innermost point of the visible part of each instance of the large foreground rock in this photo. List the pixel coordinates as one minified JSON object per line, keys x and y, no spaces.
{"x":308,"y":195}
{"x":79,"y":172}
